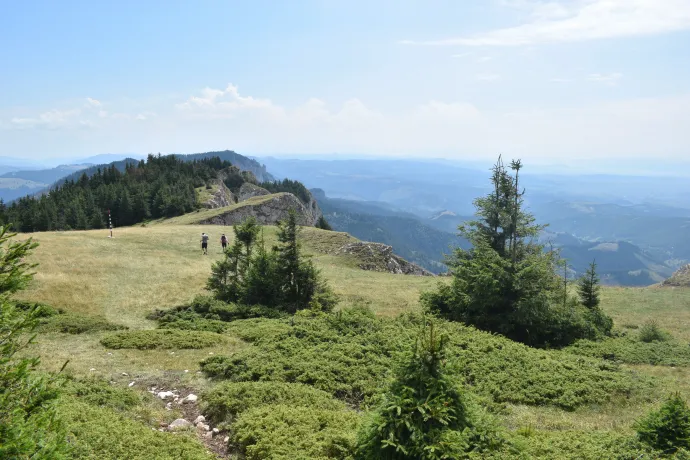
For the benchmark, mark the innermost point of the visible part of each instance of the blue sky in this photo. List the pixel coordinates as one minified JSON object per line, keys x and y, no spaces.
{"x":543,"y":80}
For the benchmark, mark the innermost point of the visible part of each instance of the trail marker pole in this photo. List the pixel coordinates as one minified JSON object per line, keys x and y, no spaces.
{"x":110,"y":224}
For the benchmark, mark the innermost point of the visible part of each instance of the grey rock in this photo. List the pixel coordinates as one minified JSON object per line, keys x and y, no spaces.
{"x":179,"y":424}
{"x":199,"y":419}
{"x":249,"y":190}
{"x":379,"y":257}
{"x":268,"y":211}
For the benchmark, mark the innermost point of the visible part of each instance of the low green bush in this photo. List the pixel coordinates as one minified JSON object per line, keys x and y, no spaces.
{"x":283,"y":432}
{"x":224,"y":402}
{"x":571,"y":445}
{"x":101,"y":433}
{"x":41,"y":310}
{"x":650,"y":332}
{"x":100,"y":393}
{"x":349,"y":355}
{"x":630,"y":351}
{"x":207,"y":313}
{"x":161,"y":339}
{"x":667,"y":429}
{"x":73,"y":323}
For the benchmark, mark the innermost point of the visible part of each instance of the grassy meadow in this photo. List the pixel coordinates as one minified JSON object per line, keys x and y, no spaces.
{"x":160,"y":266}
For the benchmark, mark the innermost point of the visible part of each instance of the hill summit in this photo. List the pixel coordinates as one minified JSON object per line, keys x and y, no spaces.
{"x":680,"y":278}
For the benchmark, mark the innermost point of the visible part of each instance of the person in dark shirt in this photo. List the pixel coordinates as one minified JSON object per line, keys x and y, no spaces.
{"x":224,"y":241}
{"x":204,"y":243}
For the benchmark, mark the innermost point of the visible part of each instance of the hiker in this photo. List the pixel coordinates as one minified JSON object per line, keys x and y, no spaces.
{"x":223,"y":241}
{"x":204,"y":243}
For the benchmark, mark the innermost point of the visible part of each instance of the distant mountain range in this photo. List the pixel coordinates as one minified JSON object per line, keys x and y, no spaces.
{"x":636,"y":227}
{"x":18,"y":183}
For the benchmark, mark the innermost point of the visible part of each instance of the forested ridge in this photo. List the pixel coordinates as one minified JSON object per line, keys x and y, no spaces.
{"x":161,"y":186}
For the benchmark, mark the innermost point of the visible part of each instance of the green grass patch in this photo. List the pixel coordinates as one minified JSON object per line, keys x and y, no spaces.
{"x":349,"y":355}
{"x":224,"y":402}
{"x":632,"y":351}
{"x":282,"y":432}
{"x":161,"y":339}
{"x":73,"y":323}
{"x":102,"y":433}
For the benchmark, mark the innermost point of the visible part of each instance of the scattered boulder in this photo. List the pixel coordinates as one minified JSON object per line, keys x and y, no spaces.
{"x":179,"y":424}
{"x":380,"y":258}
{"x":191,"y":398}
{"x":166,"y":395}
{"x":199,"y":419}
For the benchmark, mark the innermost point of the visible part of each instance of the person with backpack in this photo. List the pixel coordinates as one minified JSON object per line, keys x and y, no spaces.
{"x":204,"y":243}
{"x":224,"y":241}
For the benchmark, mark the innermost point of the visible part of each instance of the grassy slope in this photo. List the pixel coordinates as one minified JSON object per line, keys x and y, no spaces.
{"x":161,"y":266}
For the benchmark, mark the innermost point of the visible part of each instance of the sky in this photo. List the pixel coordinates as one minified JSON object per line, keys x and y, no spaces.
{"x":546,"y":81}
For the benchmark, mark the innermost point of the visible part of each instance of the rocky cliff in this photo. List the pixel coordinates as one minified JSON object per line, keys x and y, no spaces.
{"x":267,"y":209}
{"x":680,"y":278}
{"x":380,"y":258}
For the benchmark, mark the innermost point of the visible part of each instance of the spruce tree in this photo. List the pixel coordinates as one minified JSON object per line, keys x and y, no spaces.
{"x":423,"y":415}
{"x":323,"y":224}
{"x":588,"y":287}
{"x":508,"y":282}
{"x":288,"y":260}
{"x":29,"y":426}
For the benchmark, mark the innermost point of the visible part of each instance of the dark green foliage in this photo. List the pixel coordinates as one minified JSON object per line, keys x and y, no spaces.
{"x":283,"y":432}
{"x":507,"y":282}
{"x":224,"y":402}
{"x":289,"y":186}
{"x":349,"y":355}
{"x":279,"y":279}
{"x":29,"y":426}
{"x":103,"y":433}
{"x":631,"y":351}
{"x":323,"y":224}
{"x":667,"y":429}
{"x":650,"y":332}
{"x":424,"y":414}
{"x":40,"y":310}
{"x":163,"y":186}
{"x":73,"y":323}
{"x":528,"y":443}
{"x":209,"y":314}
{"x":588,"y":287}
{"x":100,"y":393}
{"x":161,"y":339}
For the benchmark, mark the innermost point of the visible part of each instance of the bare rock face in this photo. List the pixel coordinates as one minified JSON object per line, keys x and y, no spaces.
{"x":221,"y":198}
{"x":681,"y":278}
{"x":268,"y":211}
{"x":380,"y":258}
{"x":249,"y":190}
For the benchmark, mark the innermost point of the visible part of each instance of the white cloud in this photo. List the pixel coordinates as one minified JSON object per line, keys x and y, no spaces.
{"x":92,"y":102}
{"x":488,"y":77}
{"x":580,"y":20}
{"x":485,"y":59}
{"x":610,"y":79}
{"x":562,"y":80}
{"x":52,"y":119}
{"x":218,"y":119}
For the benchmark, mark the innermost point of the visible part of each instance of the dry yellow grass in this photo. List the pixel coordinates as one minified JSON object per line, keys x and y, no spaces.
{"x":161,"y":265}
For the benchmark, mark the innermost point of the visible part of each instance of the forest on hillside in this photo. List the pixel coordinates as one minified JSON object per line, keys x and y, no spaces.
{"x":161,"y":186}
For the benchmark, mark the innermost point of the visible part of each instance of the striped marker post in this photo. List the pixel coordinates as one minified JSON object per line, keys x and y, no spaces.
{"x":110,"y":224}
